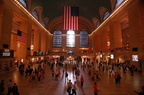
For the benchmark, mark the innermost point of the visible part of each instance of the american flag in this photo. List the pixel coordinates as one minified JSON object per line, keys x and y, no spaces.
{"x":70,"y":18}
{"x":21,"y":36}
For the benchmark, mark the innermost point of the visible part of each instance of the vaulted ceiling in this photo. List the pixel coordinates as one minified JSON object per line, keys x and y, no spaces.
{"x":52,"y":10}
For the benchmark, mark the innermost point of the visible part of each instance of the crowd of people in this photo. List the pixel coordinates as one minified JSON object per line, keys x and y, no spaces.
{"x":12,"y":88}
{"x":92,"y":69}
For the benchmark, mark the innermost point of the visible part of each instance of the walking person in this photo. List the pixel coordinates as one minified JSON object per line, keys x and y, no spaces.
{"x":89,"y":73}
{"x":32,"y":76}
{"x":74,"y":89}
{"x":59,"y":74}
{"x":76,"y":74}
{"x":2,"y":87}
{"x":66,"y":75}
{"x":42,"y":73}
{"x":82,"y":80}
{"x":98,"y":75}
{"x":116,"y":77}
{"x":26,"y":72}
{"x":69,"y":87}
{"x":15,"y":89}
{"x":39,"y":76}
{"x":95,"y":89}
{"x":56,"y":75}
{"x":53,"y":74}
{"x":9,"y":87}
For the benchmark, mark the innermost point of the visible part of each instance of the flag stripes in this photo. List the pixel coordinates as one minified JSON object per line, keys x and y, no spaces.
{"x":70,"y":18}
{"x":22,"y":38}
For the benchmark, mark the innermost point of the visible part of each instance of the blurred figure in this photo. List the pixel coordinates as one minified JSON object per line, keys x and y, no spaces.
{"x":15,"y":89}
{"x":74,"y":89}
{"x":9,"y":87}
{"x":95,"y":89}
{"x":82,"y":80}
{"x":2,"y":87}
{"x":69,"y":87}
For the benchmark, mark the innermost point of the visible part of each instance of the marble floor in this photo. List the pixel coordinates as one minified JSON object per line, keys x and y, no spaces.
{"x":49,"y":86}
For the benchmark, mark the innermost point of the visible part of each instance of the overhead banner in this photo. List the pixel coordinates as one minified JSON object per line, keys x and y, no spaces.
{"x":70,"y":18}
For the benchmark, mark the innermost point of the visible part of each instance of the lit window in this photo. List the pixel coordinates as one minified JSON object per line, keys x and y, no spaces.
{"x":83,"y":39}
{"x":118,"y":2}
{"x":35,"y":14}
{"x":106,"y":14}
{"x":23,"y":2}
{"x":70,"y":39}
{"x":57,"y":39}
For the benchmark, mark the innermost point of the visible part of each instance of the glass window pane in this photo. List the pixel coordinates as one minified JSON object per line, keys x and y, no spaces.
{"x":23,"y":2}
{"x":98,"y":23}
{"x":70,"y":39}
{"x":43,"y":23}
{"x":57,"y":39}
{"x":35,"y":14}
{"x":84,"y":39}
{"x":106,"y":15}
{"x":118,"y":2}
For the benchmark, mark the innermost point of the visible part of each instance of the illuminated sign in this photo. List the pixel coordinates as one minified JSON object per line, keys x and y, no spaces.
{"x":112,"y":56}
{"x":6,"y":53}
{"x":101,"y":55}
{"x":134,"y":57}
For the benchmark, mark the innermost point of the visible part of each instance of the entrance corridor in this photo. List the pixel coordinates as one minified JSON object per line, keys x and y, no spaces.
{"x":49,"y":86}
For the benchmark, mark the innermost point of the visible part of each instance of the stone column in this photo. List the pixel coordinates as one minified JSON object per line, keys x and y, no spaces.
{"x":29,"y":39}
{"x":115,"y":38}
{"x":6,"y":27}
{"x":134,"y":15}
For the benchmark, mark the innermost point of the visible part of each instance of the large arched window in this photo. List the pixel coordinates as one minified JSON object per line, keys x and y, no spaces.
{"x":70,"y":39}
{"x":106,"y":14}
{"x":118,"y":2}
{"x":23,"y":2}
{"x":35,"y":14}
{"x":83,"y":39}
{"x":57,"y":38}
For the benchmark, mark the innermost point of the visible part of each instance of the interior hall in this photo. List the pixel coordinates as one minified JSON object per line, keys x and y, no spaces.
{"x":71,"y":47}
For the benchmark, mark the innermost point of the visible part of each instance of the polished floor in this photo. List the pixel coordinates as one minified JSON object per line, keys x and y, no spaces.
{"x":49,"y":86}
